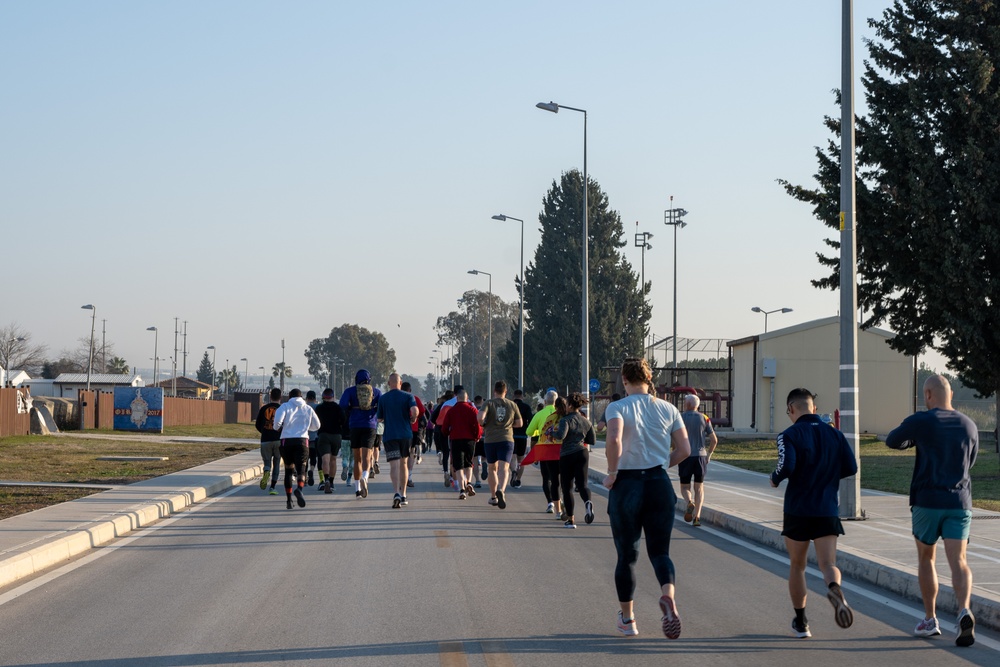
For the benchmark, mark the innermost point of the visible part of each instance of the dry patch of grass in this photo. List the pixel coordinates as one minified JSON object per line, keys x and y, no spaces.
{"x":882,"y":469}
{"x":72,"y":459}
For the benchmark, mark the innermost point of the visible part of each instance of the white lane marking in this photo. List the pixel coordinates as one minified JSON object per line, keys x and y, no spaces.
{"x":100,"y":552}
{"x":909,"y":610}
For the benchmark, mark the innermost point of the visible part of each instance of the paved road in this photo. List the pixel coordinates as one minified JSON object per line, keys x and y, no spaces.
{"x":241,"y":580}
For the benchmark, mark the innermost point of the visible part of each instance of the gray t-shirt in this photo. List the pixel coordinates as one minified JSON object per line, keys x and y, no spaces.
{"x":498,"y":425}
{"x":574,"y":430}
{"x":699,"y":428}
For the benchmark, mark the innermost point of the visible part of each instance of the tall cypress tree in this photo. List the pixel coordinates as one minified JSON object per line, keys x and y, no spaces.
{"x":929,"y":183}
{"x":619,"y":315}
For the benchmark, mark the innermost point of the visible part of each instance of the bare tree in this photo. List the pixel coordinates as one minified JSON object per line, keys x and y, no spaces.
{"x":17,"y":351}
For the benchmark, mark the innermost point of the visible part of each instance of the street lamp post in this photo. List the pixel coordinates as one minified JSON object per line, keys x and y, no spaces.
{"x":642,"y":241}
{"x":227,"y":380}
{"x":489,"y":329}
{"x":585,"y":325}
{"x":520,"y":326}
{"x":156,"y":353}
{"x":93,"y":322}
{"x":262,"y":385}
{"x":672,"y":217}
{"x":282,"y":377}
{"x":246,"y":371}
{"x":758,"y":309}
{"x":215,"y":377}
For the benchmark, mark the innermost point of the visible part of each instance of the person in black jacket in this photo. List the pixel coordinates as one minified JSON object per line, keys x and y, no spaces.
{"x":329,"y":436}
{"x":813,"y":457}
{"x":270,"y":440}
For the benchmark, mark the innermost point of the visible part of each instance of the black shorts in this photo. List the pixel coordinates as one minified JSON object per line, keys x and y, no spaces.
{"x":294,"y":451}
{"x":480,"y":449}
{"x":692,"y":466}
{"x":397,"y":449}
{"x":462,"y":452}
{"x":806,"y":528}
{"x":362,"y":438}
{"x":520,"y":445}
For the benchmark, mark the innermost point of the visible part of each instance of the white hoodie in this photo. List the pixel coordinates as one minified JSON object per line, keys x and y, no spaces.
{"x":295,"y":418}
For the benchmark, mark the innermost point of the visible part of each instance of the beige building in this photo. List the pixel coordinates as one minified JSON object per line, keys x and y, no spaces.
{"x":768,"y":366}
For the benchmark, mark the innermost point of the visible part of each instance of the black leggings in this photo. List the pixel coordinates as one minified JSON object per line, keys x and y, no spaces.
{"x":550,"y":480}
{"x":573,"y":468}
{"x":441,"y":442}
{"x":295,"y":454}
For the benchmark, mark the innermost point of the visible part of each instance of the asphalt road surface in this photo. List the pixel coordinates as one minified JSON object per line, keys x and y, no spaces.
{"x":240,"y":580}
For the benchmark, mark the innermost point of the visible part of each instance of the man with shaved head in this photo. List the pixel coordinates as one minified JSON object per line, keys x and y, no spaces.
{"x":941,"y":499}
{"x":397,"y":411}
{"x":703,"y":441}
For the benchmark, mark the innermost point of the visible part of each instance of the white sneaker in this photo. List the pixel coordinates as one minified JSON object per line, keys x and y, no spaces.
{"x":550,"y":508}
{"x":627,"y":628}
{"x":927,"y":628}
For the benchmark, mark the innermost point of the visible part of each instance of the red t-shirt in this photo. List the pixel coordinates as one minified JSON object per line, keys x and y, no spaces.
{"x":420,"y":413}
{"x":462,"y":422}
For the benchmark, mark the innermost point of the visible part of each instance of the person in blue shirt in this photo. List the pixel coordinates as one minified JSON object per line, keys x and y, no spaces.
{"x":360,"y":402}
{"x":813,"y":457}
{"x":941,"y":499}
{"x":397,"y":411}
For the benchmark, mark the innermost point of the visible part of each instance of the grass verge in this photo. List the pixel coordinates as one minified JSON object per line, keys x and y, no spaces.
{"x":882,"y":469}
{"x":73,"y":459}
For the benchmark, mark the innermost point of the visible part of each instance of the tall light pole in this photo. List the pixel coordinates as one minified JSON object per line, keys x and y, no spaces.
{"x":156,"y":353}
{"x":672,"y":217}
{"x":850,"y":487}
{"x":520,"y":318}
{"x":93,"y":323}
{"x":585,"y":296}
{"x":228,"y":377}
{"x":215,"y":376}
{"x":489,"y":335}
{"x":758,"y":309}
{"x":246,"y":370}
{"x":262,"y":384}
{"x":642,"y":241}
{"x":282,"y":377}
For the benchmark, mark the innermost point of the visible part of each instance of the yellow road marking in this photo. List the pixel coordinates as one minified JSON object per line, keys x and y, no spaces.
{"x":452,"y":654}
{"x":495,"y":652}
{"x":441,"y":537}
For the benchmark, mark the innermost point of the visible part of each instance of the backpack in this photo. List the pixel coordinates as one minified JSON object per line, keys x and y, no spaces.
{"x":365,"y":394}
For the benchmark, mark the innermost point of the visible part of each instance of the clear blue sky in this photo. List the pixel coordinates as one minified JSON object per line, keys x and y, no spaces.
{"x":269,"y":170}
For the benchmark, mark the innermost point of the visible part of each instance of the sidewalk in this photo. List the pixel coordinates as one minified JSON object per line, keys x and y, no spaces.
{"x":878,"y":550}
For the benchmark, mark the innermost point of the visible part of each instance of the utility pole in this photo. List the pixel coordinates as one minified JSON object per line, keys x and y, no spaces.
{"x":173,"y":380}
{"x":104,"y":348}
{"x":184,"y":372}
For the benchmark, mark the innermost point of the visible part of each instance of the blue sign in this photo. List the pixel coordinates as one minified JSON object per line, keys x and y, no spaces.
{"x":139,"y":409}
{"x":595,"y":385}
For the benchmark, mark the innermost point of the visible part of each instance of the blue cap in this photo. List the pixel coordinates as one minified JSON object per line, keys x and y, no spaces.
{"x":362,"y":377}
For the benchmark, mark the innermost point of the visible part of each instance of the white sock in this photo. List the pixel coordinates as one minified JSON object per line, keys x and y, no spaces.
{"x":364,"y":475}
{"x":357,"y":485}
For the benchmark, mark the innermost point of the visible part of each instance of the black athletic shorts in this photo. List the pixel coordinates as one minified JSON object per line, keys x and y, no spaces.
{"x":806,"y":528}
{"x":397,"y":449}
{"x":692,"y":466}
{"x":480,"y":449}
{"x":294,"y":451}
{"x":520,"y":445}
{"x":362,"y":438}
{"x":462,"y":452}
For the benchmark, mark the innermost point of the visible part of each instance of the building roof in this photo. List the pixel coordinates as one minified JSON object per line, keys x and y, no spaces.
{"x":96,"y":378}
{"x":805,"y":326}
{"x":184,"y":383}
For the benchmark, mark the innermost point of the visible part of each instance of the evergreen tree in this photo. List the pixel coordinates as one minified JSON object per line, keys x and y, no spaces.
{"x":619,"y":313}
{"x":928,"y":183}
{"x":205,"y":370}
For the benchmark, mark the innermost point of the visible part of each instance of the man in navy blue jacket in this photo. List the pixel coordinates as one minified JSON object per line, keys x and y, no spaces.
{"x":941,"y":499}
{"x":813,"y":457}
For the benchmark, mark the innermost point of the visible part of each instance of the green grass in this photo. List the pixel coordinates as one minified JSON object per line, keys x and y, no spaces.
{"x":882,"y":469}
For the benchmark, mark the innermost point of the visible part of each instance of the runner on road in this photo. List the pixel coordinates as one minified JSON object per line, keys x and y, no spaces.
{"x":699,"y":428}
{"x":577,"y":436}
{"x":330,"y":437}
{"x":296,"y":419}
{"x":461,"y":425}
{"x":520,"y":439}
{"x":499,"y":418}
{"x":397,"y":411}
{"x":270,"y":440}
{"x":361,"y":404}
{"x":313,"y":440}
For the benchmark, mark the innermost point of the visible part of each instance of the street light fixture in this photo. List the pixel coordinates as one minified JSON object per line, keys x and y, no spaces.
{"x":520,"y":326}
{"x":642,"y":241}
{"x":214,"y":376}
{"x":261,"y":369}
{"x":246,"y":371}
{"x":672,"y":217}
{"x":156,"y":353}
{"x":585,"y":325}
{"x":489,"y":329}
{"x":93,"y":322}
{"x":758,"y":309}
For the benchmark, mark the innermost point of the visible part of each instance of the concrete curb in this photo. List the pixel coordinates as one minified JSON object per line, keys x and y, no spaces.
{"x":890,"y":576}
{"x":20,"y":563}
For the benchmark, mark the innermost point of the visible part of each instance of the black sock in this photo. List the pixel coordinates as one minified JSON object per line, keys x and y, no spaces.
{"x":800,"y":615}
{"x":832,"y":584}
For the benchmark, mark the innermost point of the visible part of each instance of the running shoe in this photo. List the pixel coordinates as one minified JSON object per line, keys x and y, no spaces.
{"x":264,"y":480}
{"x":396,"y":501}
{"x":569,"y":524}
{"x":927,"y":628}
{"x":550,"y":508}
{"x":447,"y":480}
{"x":310,"y":480}
{"x":357,"y":494}
{"x":501,"y":501}
{"x":966,"y":629}
{"x":800,"y":630}
{"x":299,"y":498}
{"x":478,"y":484}
{"x":461,"y":496}
{"x":320,"y":476}
{"x":420,"y":460}
{"x":364,"y":487}
{"x":375,"y":468}
{"x":288,"y":504}
{"x":329,"y":486}
{"x":273,"y":493}
{"x":403,"y":501}
{"x":696,"y":522}
{"x":516,"y":484}
{"x":689,"y":513}
{"x":470,"y":490}
{"x":588,"y":515}
{"x":410,"y":484}
{"x":493,"y":501}
{"x":563,"y":516}
{"x":671,"y":620}
{"x":627,"y":628}
{"x":321,"y":487}
{"x":483,"y":473}
{"x":343,"y":474}
{"x":842,"y":612}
